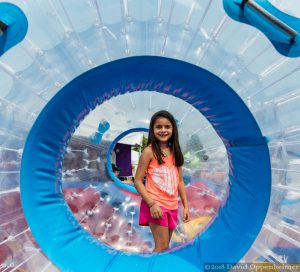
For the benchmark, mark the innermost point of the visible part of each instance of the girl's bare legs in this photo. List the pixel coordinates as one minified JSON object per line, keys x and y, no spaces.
{"x":162,"y":236}
{"x":170,"y":234}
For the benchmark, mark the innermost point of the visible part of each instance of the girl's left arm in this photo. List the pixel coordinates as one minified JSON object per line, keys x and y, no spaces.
{"x":182,"y":194}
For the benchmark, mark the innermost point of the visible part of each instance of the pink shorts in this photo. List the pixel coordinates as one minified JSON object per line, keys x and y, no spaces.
{"x":168,"y":219}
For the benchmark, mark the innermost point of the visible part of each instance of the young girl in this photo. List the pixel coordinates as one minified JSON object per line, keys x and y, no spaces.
{"x":161,"y":160}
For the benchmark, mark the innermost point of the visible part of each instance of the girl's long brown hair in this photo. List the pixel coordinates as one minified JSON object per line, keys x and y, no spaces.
{"x":173,"y":141}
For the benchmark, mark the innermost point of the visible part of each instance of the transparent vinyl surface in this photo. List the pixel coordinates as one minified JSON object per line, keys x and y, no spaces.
{"x":67,"y":38}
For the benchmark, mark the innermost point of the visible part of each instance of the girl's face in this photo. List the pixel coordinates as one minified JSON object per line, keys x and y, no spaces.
{"x":162,"y":129}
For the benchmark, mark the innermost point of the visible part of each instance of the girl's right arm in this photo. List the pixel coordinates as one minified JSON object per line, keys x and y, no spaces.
{"x":144,"y":161}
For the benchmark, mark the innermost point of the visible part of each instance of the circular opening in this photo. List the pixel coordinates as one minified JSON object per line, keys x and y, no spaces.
{"x":107,"y":207}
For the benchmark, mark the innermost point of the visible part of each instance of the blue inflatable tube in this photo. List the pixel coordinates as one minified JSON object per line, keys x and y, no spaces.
{"x":108,"y":159}
{"x":51,"y":221}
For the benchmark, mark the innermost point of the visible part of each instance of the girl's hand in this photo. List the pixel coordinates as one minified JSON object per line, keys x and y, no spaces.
{"x":156,"y":212}
{"x":186,"y":215}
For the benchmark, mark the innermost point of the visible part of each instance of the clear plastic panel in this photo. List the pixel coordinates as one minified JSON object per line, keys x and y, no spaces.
{"x":66,"y":39}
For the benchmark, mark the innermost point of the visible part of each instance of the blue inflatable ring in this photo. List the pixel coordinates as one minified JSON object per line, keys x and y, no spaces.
{"x":108,"y":159}
{"x":51,"y":221}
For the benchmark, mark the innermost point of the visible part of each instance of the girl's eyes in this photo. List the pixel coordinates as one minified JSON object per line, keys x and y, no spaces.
{"x":166,"y":127}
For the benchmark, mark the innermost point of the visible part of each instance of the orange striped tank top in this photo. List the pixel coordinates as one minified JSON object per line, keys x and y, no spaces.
{"x":162,"y":182}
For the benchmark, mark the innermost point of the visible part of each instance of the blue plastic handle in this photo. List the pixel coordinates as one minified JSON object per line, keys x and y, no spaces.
{"x":16,"y":26}
{"x":280,"y":28}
